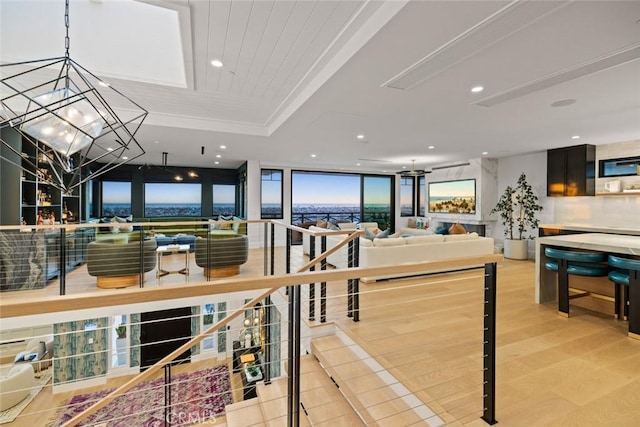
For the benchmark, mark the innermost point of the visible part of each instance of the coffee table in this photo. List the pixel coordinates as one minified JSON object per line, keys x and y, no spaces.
{"x":161,"y":250}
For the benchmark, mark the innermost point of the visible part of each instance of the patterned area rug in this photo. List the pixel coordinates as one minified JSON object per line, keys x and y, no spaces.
{"x":42,"y":378}
{"x":196,"y":397}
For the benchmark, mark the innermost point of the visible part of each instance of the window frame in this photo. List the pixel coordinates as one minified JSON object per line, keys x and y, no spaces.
{"x":271,"y":171}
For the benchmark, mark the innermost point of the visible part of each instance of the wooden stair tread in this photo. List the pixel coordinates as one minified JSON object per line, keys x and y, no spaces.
{"x":244,"y":413}
{"x":367,"y":386}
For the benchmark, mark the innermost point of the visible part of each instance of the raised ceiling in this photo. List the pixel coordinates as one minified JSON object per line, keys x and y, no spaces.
{"x":305,"y":77}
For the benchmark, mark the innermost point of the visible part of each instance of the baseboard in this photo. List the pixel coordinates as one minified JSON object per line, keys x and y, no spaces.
{"x":76,"y":385}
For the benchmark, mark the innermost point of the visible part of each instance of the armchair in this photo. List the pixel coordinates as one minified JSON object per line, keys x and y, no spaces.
{"x":222,"y":257}
{"x":16,"y":385}
{"x":118,"y":265}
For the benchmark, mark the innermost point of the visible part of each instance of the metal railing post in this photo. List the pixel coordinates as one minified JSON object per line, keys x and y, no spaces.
{"x":323,"y":285}
{"x":273,"y":248}
{"x":293,"y":367}
{"x":267,"y":339}
{"x":350,"y":281}
{"x":62,"y":263}
{"x":167,"y":394}
{"x":266,"y":249}
{"x":312,"y":286}
{"x":356,"y":282}
{"x":141,"y":254}
{"x":489,"y":343}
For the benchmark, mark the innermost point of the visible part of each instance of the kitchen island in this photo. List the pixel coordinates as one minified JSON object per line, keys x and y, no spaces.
{"x":624,"y":245}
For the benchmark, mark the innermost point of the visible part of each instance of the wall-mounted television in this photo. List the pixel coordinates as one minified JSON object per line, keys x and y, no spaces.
{"x":453,"y":197}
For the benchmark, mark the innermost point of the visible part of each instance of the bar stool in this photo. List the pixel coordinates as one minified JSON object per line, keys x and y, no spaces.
{"x":579,"y":263}
{"x":627,"y":274}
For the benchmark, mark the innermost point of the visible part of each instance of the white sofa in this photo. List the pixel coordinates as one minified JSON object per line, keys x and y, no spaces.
{"x":413,"y":249}
{"x":39,"y":352}
{"x":401,"y":250}
{"x":16,"y":385}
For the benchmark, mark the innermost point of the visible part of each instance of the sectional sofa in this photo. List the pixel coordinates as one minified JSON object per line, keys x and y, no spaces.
{"x":408,"y":249}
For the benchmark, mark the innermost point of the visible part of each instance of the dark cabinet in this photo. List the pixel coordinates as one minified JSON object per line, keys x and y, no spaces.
{"x":571,"y":171}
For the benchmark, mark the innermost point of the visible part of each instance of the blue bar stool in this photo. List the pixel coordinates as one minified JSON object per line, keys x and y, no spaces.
{"x":578,"y":263}
{"x":627,"y":274}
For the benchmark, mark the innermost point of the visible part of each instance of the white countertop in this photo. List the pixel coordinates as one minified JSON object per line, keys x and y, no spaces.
{"x":614,"y":229}
{"x":616,"y":243}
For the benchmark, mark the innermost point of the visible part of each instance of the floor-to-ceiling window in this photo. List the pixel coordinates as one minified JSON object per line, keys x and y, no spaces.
{"x":341,"y":197}
{"x":377,"y":200}
{"x":324,"y":196}
{"x":407,"y":196}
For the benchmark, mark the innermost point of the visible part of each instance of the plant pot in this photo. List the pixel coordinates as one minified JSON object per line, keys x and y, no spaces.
{"x":516,"y":249}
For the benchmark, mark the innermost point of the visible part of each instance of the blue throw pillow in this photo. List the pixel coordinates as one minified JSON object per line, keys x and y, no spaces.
{"x":442,"y":230}
{"x":383,"y":234}
{"x":368,"y":234}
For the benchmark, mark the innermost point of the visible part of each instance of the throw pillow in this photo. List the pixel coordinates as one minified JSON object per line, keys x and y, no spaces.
{"x":368,"y":234}
{"x":332,"y":226}
{"x":442,"y":230}
{"x":457,"y":228}
{"x":226,"y":225}
{"x":321,"y":224}
{"x":383,"y":234}
{"x":412,"y":223}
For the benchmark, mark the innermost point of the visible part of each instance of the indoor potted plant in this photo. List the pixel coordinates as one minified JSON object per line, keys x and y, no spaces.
{"x":518,"y":207}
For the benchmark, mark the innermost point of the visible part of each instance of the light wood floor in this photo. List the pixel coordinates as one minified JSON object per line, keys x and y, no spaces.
{"x":427,"y":332}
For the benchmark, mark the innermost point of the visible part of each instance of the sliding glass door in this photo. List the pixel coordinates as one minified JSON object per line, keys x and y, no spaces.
{"x":377,"y":200}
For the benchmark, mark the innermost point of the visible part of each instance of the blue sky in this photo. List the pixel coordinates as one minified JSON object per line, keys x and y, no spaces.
{"x":337,"y":189}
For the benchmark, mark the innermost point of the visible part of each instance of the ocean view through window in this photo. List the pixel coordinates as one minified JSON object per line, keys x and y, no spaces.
{"x":340,"y":197}
{"x":172,"y":199}
{"x":116,"y":198}
{"x":224,"y":199}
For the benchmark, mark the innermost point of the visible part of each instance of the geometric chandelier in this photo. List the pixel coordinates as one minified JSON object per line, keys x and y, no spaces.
{"x":69,"y":116}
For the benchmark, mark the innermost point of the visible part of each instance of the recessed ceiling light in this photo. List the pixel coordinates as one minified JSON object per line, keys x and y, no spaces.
{"x":563,"y":103}
{"x":313,"y":155}
{"x":360,"y":136}
{"x":477,"y":89}
{"x":357,"y":164}
{"x":125,"y":157}
{"x":216,"y":63}
{"x":218,"y":155}
{"x":103,"y":84}
{"x":223,"y":147}
{"x":575,"y":137}
{"x":216,"y":163}
{"x":109,"y":149}
{"x":431,"y":147}
{"x":484,"y":153}
{"x":156,"y":141}
{"x":404,"y":167}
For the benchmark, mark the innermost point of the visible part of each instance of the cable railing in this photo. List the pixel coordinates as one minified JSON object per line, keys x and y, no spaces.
{"x":224,"y":314}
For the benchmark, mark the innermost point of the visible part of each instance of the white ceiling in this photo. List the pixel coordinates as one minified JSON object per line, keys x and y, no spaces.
{"x":305,"y":77}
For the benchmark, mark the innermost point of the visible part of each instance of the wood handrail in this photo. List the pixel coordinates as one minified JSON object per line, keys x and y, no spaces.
{"x":120,"y":297}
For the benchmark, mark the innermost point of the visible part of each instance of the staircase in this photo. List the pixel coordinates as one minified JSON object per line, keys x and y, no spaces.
{"x":321,"y":402}
{"x":378,"y":398}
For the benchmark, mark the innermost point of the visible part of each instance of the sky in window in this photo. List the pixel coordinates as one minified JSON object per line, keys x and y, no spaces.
{"x":116,"y":192}
{"x":172,"y":193}
{"x":224,"y":193}
{"x":332,"y":189}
